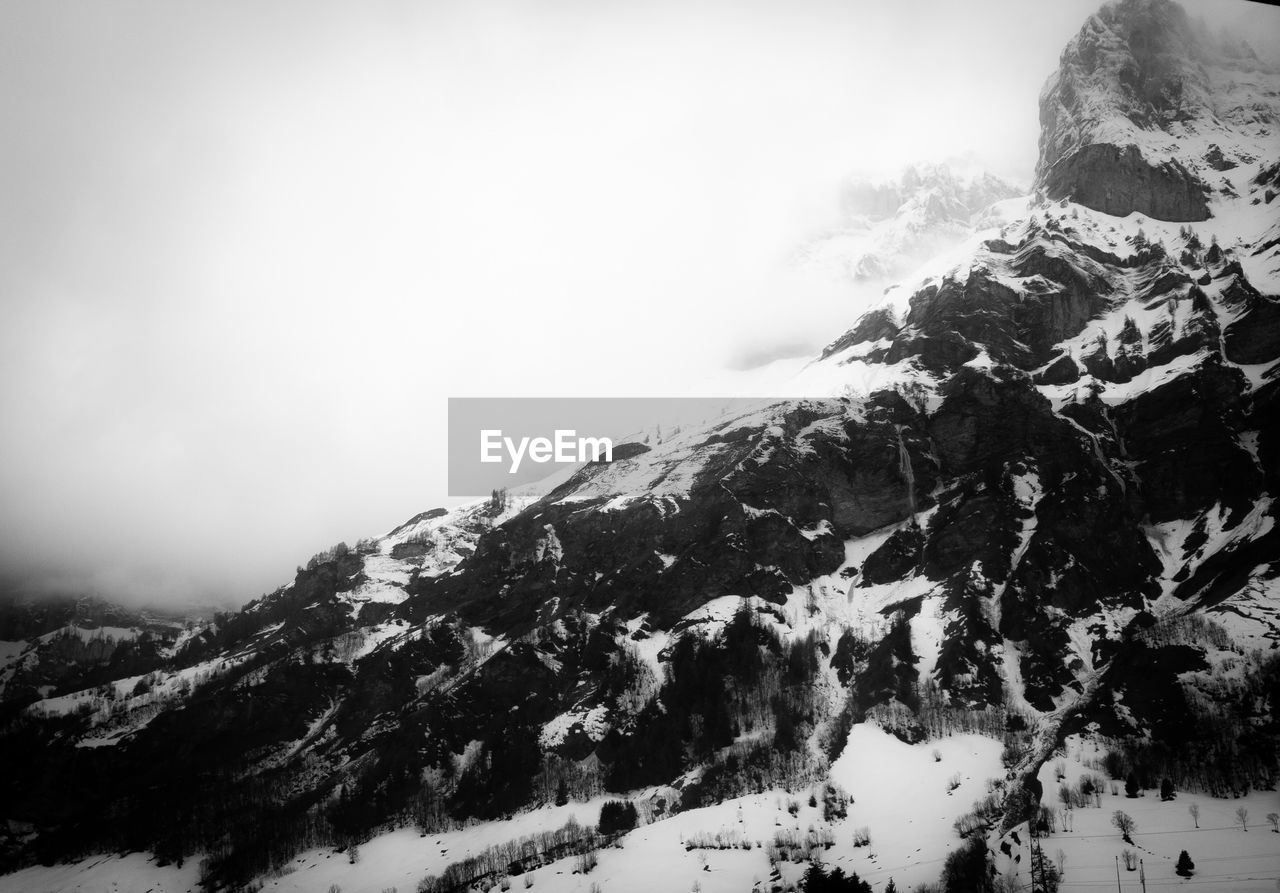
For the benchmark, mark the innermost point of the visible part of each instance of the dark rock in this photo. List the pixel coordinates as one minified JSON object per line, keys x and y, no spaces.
{"x":410,"y":551}
{"x":1063,"y":370}
{"x":873,"y":326}
{"x":419,"y":518}
{"x":1217,"y":160}
{"x":1255,"y":336}
{"x":630,"y":450}
{"x":1118,"y":180}
{"x":983,"y":421}
{"x":895,"y":559}
{"x":1180,"y":439}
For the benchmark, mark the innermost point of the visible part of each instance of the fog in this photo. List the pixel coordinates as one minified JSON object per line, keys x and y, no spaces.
{"x":249,"y":249}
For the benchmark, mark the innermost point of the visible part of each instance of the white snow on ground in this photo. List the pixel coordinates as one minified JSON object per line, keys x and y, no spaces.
{"x":447,"y":537}
{"x":666,"y":472}
{"x":594,"y":722}
{"x":86,"y":634}
{"x":926,"y":635}
{"x":1027,"y":490}
{"x":952,"y":264}
{"x":377,"y":591}
{"x":1252,"y":615}
{"x":184,"y":638}
{"x":387,"y":578}
{"x":900,"y":792}
{"x":404,"y":857}
{"x":1169,"y":539}
{"x":134,"y":873}
{"x":861,"y":608}
{"x":649,"y":649}
{"x":374,"y":637}
{"x":828,"y":602}
{"x":711,"y":617}
{"x":1228,"y":859}
{"x":387,"y":569}
{"x":166,"y":685}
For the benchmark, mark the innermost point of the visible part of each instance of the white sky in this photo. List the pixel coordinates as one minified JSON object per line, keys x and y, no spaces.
{"x":248,"y":249}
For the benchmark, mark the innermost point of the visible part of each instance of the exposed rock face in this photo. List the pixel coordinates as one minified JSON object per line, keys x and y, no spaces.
{"x":1136,"y":79}
{"x":875,"y":326}
{"x":1255,"y":336}
{"x":1119,"y":180}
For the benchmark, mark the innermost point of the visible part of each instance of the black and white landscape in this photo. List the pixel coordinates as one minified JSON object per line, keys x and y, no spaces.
{"x":995,"y":608}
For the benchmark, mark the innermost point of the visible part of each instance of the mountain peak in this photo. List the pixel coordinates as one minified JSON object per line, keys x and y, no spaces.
{"x":1139,"y":97}
{"x":890,"y":226}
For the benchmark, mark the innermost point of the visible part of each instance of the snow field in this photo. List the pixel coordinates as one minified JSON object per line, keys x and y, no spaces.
{"x":1227,"y":859}
{"x":899,"y":794}
{"x":134,"y":873}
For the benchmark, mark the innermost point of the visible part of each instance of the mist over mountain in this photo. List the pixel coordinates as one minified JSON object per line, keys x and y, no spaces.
{"x":997,"y":609}
{"x":250,"y":250}
{"x":895,"y":226}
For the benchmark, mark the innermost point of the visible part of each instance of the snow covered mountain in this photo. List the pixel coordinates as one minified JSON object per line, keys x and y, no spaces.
{"x":1017,"y":561}
{"x":891,"y":227}
{"x":49,"y":644}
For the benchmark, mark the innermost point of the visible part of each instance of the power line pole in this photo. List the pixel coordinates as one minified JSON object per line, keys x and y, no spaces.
{"x":1142,"y":876}
{"x":1117,"y":874}
{"x":1039,"y":883}
{"x":1037,"y":869}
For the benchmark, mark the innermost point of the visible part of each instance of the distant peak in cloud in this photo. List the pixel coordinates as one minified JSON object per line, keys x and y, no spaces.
{"x":890,"y":226}
{"x":754,"y":356}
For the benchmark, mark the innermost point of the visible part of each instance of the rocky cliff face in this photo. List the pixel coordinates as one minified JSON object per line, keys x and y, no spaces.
{"x":1146,"y":109}
{"x":1066,"y":456}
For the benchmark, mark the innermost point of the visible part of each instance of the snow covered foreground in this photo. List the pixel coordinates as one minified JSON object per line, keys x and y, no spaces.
{"x":901,"y":794}
{"x":134,"y":873}
{"x":1228,"y":859}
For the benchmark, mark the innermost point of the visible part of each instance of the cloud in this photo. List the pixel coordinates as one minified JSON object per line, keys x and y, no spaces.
{"x":248,"y":250}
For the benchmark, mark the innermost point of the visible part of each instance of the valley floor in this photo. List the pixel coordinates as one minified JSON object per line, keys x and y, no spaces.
{"x":904,"y":796}
{"x":1227,"y":859}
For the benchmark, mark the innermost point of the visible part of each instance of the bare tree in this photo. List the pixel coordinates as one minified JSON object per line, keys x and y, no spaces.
{"x":1242,"y":816}
{"x":1124,"y":822}
{"x":1274,"y":819}
{"x":1194,"y":809}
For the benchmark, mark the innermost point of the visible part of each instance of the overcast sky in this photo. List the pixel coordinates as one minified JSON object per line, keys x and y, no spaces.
{"x":248,"y":249}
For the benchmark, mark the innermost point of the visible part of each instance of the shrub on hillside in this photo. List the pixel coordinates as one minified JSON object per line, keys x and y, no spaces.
{"x":617,"y":817}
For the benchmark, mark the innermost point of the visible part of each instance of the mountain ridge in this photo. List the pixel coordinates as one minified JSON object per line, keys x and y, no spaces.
{"x":1055,"y":522}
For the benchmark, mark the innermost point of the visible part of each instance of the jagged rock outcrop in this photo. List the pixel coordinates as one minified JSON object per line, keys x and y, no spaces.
{"x":1139,"y":77}
{"x":1119,"y":180}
